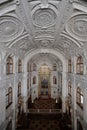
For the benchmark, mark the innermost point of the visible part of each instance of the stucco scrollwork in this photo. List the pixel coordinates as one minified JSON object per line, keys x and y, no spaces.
{"x":44,"y":43}
{"x":44,"y":17}
{"x":24,"y":43}
{"x":65,"y":42}
{"x":77,"y":27}
{"x":10,"y":28}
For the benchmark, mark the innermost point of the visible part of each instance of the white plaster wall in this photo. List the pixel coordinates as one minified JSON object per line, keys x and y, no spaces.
{"x":77,"y":111}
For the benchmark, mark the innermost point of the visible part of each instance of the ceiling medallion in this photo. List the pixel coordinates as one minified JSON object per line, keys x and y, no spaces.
{"x":77,"y":27}
{"x":44,"y":17}
{"x":10,"y":28}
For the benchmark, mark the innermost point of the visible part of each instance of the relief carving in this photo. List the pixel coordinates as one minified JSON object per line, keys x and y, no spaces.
{"x":44,"y":17}
{"x":10,"y":28}
{"x":77,"y":27}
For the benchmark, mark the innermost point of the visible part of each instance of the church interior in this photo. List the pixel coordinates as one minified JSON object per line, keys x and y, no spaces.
{"x":43,"y":65}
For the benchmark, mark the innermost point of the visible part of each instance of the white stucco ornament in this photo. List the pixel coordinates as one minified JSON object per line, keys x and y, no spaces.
{"x":77,"y":27}
{"x":10,"y":28}
{"x":44,"y":17}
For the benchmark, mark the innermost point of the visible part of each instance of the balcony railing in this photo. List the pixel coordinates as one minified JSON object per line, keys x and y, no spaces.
{"x":50,"y":111}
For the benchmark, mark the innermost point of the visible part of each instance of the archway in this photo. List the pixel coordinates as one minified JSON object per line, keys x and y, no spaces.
{"x":44,"y":81}
{"x":57,"y":54}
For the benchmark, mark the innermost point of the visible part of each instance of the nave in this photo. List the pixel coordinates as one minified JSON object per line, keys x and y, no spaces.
{"x":44,"y":114}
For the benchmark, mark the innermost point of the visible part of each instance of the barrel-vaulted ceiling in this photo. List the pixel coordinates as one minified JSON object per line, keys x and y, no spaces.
{"x":46,"y":59}
{"x":26,"y":25}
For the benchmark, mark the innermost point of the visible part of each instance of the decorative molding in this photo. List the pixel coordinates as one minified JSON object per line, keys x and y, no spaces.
{"x":7,"y":9}
{"x":10,"y":28}
{"x":24,"y":43}
{"x":44,"y":17}
{"x":3,"y":1}
{"x":66,"y":42}
{"x":77,"y":26}
{"x":45,"y":43}
{"x":74,"y":1}
{"x":80,"y":7}
{"x":44,"y":33}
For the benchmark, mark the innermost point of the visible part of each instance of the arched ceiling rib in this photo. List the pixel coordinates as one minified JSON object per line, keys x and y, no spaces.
{"x":40,"y":24}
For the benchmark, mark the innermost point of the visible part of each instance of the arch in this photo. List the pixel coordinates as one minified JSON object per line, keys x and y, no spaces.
{"x":69,"y":66}
{"x":28,"y":67}
{"x":60,"y":56}
{"x":34,"y":80}
{"x":9,"y":65}
{"x":51,"y":51}
{"x":54,"y":67}
{"x":19,"y":66}
{"x":19,"y":89}
{"x":27,"y":83}
{"x":34,"y":67}
{"x":9,"y":97}
{"x":69,"y":88}
{"x":79,"y":95}
{"x":79,"y":65}
{"x":54,"y":80}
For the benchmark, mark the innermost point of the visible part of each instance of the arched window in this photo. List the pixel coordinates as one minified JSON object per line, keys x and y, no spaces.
{"x":79,"y":65}
{"x":34,"y":80}
{"x":19,"y":66}
{"x":69,"y":89}
{"x":28,"y":67}
{"x":9,"y":97}
{"x":79,"y":97}
{"x":28,"y":83}
{"x":9,"y":65}
{"x":19,"y":89}
{"x":54,"y":80}
{"x":54,"y":67}
{"x":34,"y":67}
{"x":69,"y":66}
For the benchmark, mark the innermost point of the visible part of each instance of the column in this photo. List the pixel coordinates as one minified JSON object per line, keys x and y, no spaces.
{"x":2,"y":110}
{"x":24,"y":92}
{"x":64,"y":92}
{"x":74,"y":107}
{"x":85,"y":106}
{"x":14,"y":110}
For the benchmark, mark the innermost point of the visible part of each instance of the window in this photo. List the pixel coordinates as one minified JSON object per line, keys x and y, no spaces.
{"x":28,"y":83}
{"x":34,"y":80}
{"x":69,"y":66}
{"x":54,"y":67}
{"x":19,"y":66}
{"x":28,"y":67}
{"x":79,"y":65}
{"x":79,"y":97}
{"x":19,"y":89}
{"x":34,"y":67}
{"x":69,"y":89}
{"x":9,"y":65}
{"x":9,"y":97}
{"x":54,"y":80}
